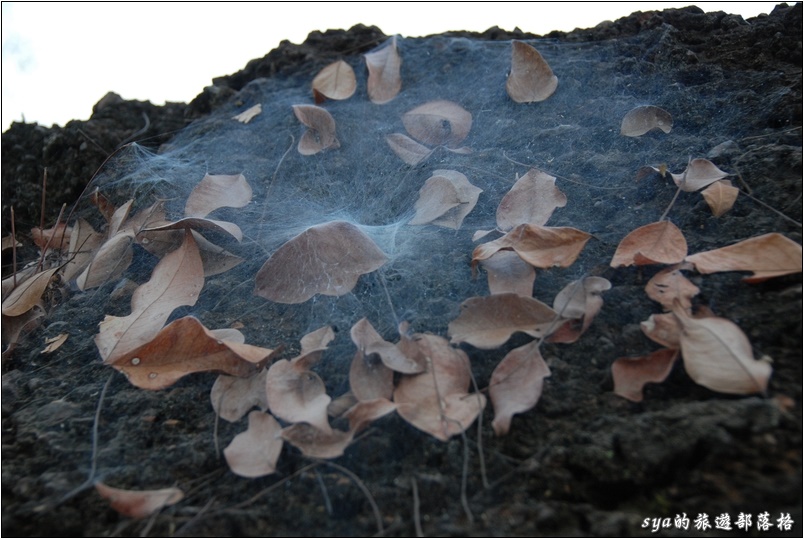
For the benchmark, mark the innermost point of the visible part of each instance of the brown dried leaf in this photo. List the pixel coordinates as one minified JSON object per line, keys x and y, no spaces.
{"x":530,"y":79}
{"x":185,"y":346}
{"x":369,"y":378}
{"x":630,"y":374}
{"x":9,"y":242}
{"x":769,"y":255}
{"x":198,"y":224}
{"x":516,"y":384}
{"x":254,"y":453}
{"x":368,"y":341}
{"x":316,"y":443}
{"x":335,"y":81}
{"x":670,"y":285}
{"x":217,"y":191}
{"x":321,"y":133}
{"x":717,"y":355}
{"x":84,"y":241}
{"x":487,"y":322}
{"x":366,"y":411}
{"x":313,"y":344}
{"x":249,"y":114}
{"x":439,"y":123}
{"x":698,"y":174}
{"x":720,"y":196}
{"x":139,"y":503}
{"x":384,"y":80}
{"x":233,"y":397}
{"x":105,"y":207}
{"x":656,"y":243}
{"x":176,"y":281}
{"x":56,"y":237}
{"x":407,"y":149}
{"x":509,"y":273}
{"x":296,"y":394}
{"x":578,"y":301}
{"x":324,"y":259}
{"x":663,"y":329}
{"x":119,"y":217}
{"x":445,"y":200}
{"x":28,"y":293}
{"x":54,"y":343}
{"x":539,"y":246}
{"x":532,"y":200}
{"x":109,"y":262}
{"x":643,"y":119}
{"x":14,"y":327}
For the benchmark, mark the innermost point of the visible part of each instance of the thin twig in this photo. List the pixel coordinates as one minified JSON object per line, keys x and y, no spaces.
{"x":362,"y":486}
{"x":465,"y":478}
{"x":44,"y":197}
{"x":417,"y":520}
{"x":774,"y":210}
{"x":327,"y":501}
{"x":13,"y":249}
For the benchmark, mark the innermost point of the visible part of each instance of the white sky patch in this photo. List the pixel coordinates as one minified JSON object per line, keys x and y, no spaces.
{"x":59,"y":59}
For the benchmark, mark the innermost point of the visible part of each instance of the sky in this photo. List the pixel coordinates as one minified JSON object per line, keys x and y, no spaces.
{"x":59,"y":59}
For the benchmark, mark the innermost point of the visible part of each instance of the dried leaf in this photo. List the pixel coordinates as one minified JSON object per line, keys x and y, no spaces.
{"x":370,"y":342}
{"x":407,"y":149}
{"x":110,"y":261}
{"x":384,"y":80}
{"x":296,"y":394}
{"x":509,"y":273}
{"x":643,"y":119}
{"x":369,"y":378}
{"x":313,"y":344}
{"x":663,"y":329}
{"x":176,"y":281}
{"x":445,"y":200}
{"x":15,"y":327}
{"x":698,"y":174}
{"x":516,"y":384}
{"x":531,"y":200}
{"x":217,"y":191}
{"x":717,"y":355}
{"x":670,"y":285}
{"x":324,"y":259}
{"x":56,"y":237}
{"x":249,"y":114}
{"x":321,"y":133}
{"x":84,"y":241}
{"x":119,"y":217}
{"x":630,"y":374}
{"x":9,"y":242}
{"x":197,"y":223}
{"x":254,"y":453}
{"x":185,"y":346}
{"x":54,"y":343}
{"x":335,"y":81}
{"x":438,"y":123}
{"x":656,"y":243}
{"x":769,"y":255}
{"x":366,"y":411}
{"x":316,"y":443}
{"x":139,"y":503}
{"x":28,"y":293}
{"x":578,"y":301}
{"x":487,"y":322}
{"x":530,"y":79}
{"x":233,"y":397}
{"x":720,"y":196}
{"x":539,"y":246}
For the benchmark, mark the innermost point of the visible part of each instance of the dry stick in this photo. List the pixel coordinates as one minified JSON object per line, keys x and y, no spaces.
{"x":181,"y":531}
{"x":13,"y":250}
{"x":362,"y":486}
{"x":41,"y":264}
{"x":327,"y":501}
{"x":465,"y":478}
{"x":774,"y":210}
{"x":480,"y":455}
{"x":680,"y":185}
{"x":417,"y":521}
{"x":266,"y":490}
{"x":44,"y":196}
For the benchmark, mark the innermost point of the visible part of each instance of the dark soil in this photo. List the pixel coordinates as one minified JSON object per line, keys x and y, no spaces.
{"x":582,"y":462}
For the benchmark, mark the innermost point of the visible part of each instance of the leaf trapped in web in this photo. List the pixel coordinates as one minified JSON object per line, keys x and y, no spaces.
{"x":655,"y":243}
{"x":84,"y":241}
{"x":445,"y":200}
{"x":109,"y":262}
{"x":530,"y":79}
{"x":176,"y":281}
{"x":249,"y":114}
{"x":643,"y":119}
{"x":54,"y":343}
{"x":720,"y":196}
{"x":769,"y":255}
{"x":698,"y":174}
{"x":384,"y":80}
{"x":336,"y":81}
{"x":254,"y":453}
{"x":56,"y":237}
{"x":324,"y":259}
{"x":487,"y":322}
{"x":516,"y":384}
{"x":437,"y":401}
{"x":185,"y":346}
{"x":217,"y":191}
{"x":717,"y":355}
{"x":539,"y":246}
{"x":509,"y":273}
{"x":670,"y":285}
{"x":317,"y":443}
{"x":630,"y":374}
{"x":438,"y":123}
{"x":370,"y":378}
{"x":366,"y":411}
{"x":532,"y":199}
{"x":663,"y":329}
{"x":232,"y":397}
{"x":28,"y":293}
{"x":407,"y":149}
{"x":579,"y":302}
{"x":296,"y":394}
{"x":370,"y":342}
{"x":320,"y":134}
{"x":139,"y":503}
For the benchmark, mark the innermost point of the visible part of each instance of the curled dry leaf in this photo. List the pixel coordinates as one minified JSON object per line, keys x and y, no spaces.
{"x":366,"y":411}
{"x":509,"y":273}
{"x":384,"y":80}
{"x":698,"y":174}
{"x":539,"y":246}
{"x":532,"y":199}
{"x":336,"y":81}
{"x":663,"y":329}
{"x":84,"y":241}
{"x":9,"y":242}
{"x":630,"y":374}
{"x":249,"y":114}
{"x":656,"y":243}
{"x":579,"y":301}
{"x":487,"y":322}
{"x":254,"y":453}
{"x":407,"y":149}
{"x":670,"y":285}
{"x":438,"y":123}
{"x":217,"y":191}
{"x":316,"y":443}
{"x":720,"y":196}
{"x":769,"y":255}
{"x":54,"y":343}
{"x":139,"y":503}
{"x":313,"y":345}
{"x":176,"y":281}
{"x":445,"y":200}
{"x":370,"y":342}
{"x":109,"y":261}
{"x":183,"y":347}
{"x":28,"y":293}
{"x":717,"y":355}
{"x":56,"y":237}
{"x":324,"y":259}
{"x":516,"y":384}
{"x":232,"y":397}
{"x":320,"y":134}
{"x":296,"y":394}
{"x":369,"y":378}
{"x":14,"y":327}
{"x":531,"y":78}
{"x":643,"y":119}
